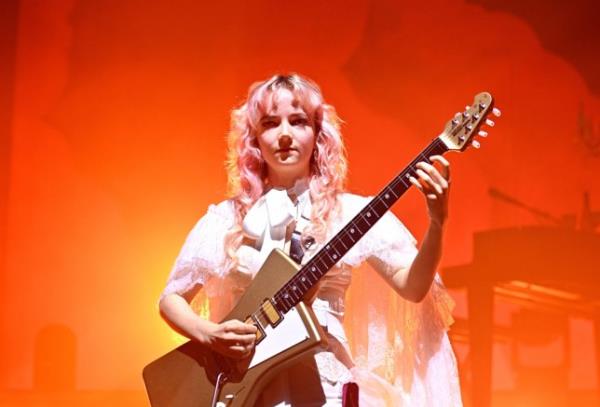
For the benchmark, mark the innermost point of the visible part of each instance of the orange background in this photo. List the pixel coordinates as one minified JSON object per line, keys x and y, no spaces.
{"x":117,"y":141}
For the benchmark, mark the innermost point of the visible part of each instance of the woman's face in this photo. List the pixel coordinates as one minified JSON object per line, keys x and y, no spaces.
{"x":286,"y":136}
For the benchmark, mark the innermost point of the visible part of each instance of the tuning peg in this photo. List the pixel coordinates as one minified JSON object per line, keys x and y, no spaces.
{"x":483,"y":133}
{"x":496,"y":112}
{"x":475,"y":144}
{"x":489,"y":122}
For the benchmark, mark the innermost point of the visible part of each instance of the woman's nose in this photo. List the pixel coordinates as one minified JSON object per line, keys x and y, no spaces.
{"x":285,"y":141}
{"x":285,"y":128}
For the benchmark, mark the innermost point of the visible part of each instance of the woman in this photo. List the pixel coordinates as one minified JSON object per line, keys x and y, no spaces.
{"x":287,"y":168}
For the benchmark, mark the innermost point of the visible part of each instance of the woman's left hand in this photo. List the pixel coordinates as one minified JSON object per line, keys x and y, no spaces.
{"x":435,"y":185}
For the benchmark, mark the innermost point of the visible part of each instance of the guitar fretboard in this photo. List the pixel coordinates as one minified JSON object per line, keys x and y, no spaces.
{"x":295,"y":289}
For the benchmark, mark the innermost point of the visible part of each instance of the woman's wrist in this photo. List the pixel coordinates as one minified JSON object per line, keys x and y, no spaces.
{"x":203,"y":329}
{"x":437,"y":224}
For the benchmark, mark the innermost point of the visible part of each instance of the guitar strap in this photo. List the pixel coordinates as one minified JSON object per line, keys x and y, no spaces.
{"x":296,"y":247}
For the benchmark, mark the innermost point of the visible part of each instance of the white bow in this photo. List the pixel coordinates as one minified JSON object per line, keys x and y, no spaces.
{"x":268,"y":219}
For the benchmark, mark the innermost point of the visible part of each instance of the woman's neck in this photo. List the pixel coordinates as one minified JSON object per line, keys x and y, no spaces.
{"x":287,"y":181}
{"x":295,"y":187}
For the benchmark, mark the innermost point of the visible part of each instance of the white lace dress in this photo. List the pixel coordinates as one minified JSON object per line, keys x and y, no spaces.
{"x":397,"y":351}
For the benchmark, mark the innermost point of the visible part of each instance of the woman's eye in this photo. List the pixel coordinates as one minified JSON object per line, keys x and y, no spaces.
{"x":299,"y":121}
{"x":267,"y":124}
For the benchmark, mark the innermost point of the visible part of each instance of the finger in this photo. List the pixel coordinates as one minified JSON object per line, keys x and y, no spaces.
{"x":434,"y":174}
{"x":240,"y":327}
{"x":424,"y":177}
{"x":231,"y":338}
{"x":238,"y":352}
{"x":444,"y":163}
{"x":247,"y":339}
{"x":416,"y":183}
{"x":244,"y":348}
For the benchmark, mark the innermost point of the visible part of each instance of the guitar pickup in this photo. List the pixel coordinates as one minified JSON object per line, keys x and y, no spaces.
{"x":271,"y":312}
{"x":260,"y":332}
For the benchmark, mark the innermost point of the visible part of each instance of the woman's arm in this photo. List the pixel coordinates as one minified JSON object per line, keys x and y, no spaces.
{"x":232,"y":338}
{"x":413,"y":282}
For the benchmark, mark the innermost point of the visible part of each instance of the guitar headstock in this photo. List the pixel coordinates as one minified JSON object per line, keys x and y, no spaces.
{"x":460,"y":131}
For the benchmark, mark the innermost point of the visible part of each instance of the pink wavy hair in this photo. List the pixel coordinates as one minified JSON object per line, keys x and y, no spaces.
{"x":246,"y":168}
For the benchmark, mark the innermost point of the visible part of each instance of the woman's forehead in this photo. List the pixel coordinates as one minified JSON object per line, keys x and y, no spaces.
{"x":275,"y":99}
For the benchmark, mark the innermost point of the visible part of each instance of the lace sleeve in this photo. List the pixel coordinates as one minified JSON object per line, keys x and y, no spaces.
{"x":202,"y":256}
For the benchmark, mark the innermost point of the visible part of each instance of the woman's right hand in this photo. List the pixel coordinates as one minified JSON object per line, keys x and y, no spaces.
{"x":232,"y":338}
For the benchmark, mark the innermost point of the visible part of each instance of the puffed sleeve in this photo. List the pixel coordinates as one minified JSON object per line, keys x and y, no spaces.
{"x":388,"y":246}
{"x":202,"y":256}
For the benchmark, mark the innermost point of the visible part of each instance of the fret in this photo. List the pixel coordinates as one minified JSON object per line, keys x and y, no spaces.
{"x":327,"y":253}
{"x":332,"y":248}
{"x":379,"y":206}
{"x":350,"y":234}
{"x":279,"y":304}
{"x":303,"y":282}
{"x":423,"y":158}
{"x":381,"y":202}
{"x":368,"y":218}
{"x":390,"y":190}
{"x":358,"y":230}
{"x":286,"y":296}
{"x":403,"y":178}
{"x":282,"y":306}
{"x":336,"y":254}
{"x":319,"y":269}
{"x":313,"y":270}
{"x":294,"y":292}
{"x":343,"y":243}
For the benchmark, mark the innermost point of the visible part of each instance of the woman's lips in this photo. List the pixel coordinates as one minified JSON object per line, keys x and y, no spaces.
{"x":285,"y":150}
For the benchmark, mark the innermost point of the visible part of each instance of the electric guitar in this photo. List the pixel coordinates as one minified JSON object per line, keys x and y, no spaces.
{"x":193,"y":375}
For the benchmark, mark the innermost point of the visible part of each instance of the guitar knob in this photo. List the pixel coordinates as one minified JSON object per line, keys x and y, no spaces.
{"x":496,"y":112}
{"x":475,"y":144}
{"x":489,"y":122}
{"x":483,"y":133}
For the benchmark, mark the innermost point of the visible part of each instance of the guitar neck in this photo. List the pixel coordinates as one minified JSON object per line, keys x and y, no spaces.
{"x":308,"y":276}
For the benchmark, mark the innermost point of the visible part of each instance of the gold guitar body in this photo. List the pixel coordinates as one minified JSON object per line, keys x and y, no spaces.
{"x":187,"y":376}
